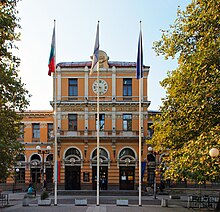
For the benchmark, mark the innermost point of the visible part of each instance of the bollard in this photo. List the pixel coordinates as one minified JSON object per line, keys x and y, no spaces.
{"x":164,"y":203}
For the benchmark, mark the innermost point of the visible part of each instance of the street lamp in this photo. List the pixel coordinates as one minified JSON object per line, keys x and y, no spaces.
{"x":214,"y":152}
{"x":150,"y":149}
{"x":43,"y":152}
{"x":15,"y":179}
{"x":17,"y":171}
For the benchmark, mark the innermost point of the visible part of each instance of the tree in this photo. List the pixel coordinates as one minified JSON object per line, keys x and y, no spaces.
{"x":13,"y":95}
{"x":189,"y":123}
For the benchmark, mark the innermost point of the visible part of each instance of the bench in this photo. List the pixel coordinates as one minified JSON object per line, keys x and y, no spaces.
{"x":122,"y":202}
{"x":30,"y":195}
{"x":28,"y":198}
{"x":81,"y":202}
{"x":204,"y":201}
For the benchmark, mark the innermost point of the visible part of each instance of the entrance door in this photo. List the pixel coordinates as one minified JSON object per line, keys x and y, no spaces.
{"x":150,"y":176}
{"x":103,"y":175}
{"x":72,"y":177}
{"x":36,"y":177}
{"x":127,"y":177}
{"x":49,"y":175}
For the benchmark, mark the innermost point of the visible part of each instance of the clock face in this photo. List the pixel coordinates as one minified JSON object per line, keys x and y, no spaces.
{"x":100,"y":85}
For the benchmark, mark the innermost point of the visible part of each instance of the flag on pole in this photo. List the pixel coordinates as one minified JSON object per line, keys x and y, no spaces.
{"x":51,"y":63}
{"x":139,"y":72}
{"x":95,"y":56}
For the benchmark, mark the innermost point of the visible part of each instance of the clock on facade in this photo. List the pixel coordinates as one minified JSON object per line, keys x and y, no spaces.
{"x":100,"y":85}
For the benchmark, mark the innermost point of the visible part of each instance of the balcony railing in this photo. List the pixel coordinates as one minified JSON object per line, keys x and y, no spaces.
{"x":91,"y":99}
{"x":93,"y":133}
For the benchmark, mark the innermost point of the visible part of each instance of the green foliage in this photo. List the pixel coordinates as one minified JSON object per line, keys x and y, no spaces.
{"x":189,"y":125}
{"x":44,"y":195}
{"x":13,"y":95}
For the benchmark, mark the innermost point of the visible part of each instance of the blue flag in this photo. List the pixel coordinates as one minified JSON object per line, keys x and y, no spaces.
{"x":139,"y":71}
{"x":95,"y":56}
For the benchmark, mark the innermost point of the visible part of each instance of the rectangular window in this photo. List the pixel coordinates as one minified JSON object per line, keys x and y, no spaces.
{"x":36,"y":130}
{"x":127,"y":87}
{"x":127,"y":122}
{"x":21,"y":131}
{"x":73,"y":87}
{"x":101,"y":122}
{"x":72,"y":118}
{"x":49,"y":130}
{"x":150,"y":130}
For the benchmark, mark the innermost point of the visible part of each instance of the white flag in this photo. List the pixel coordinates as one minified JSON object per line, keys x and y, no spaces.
{"x":95,"y":56}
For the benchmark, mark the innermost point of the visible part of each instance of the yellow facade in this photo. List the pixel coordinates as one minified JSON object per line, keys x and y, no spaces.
{"x":76,"y":113}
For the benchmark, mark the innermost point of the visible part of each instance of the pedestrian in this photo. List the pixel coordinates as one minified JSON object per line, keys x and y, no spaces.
{"x":103,"y":183}
{"x":31,"y":189}
{"x":30,"y":184}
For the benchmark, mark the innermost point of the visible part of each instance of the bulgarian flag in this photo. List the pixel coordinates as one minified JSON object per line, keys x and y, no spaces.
{"x":52,"y":62}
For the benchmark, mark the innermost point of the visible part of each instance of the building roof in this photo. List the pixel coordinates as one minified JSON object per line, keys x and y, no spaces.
{"x":119,"y":64}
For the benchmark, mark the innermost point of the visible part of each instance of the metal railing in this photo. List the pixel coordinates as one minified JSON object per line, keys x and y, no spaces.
{"x":205,"y":201}
{"x":93,"y":99}
{"x":4,"y":200}
{"x":93,"y":133}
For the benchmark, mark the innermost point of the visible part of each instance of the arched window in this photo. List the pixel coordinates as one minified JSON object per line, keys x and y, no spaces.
{"x":73,"y":157}
{"x":127,"y":157}
{"x":35,"y":157}
{"x":126,"y":152}
{"x":102,"y":152}
{"x":49,"y":158}
{"x":103,"y":157}
{"x":21,"y":157}
{"x":151,"y":158}
{"x":72,"y":151}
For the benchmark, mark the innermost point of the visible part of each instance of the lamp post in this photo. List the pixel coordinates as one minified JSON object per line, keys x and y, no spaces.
{"x":17,"y":171}
{"x":150,"y":149}
{"x":15,"y":179}
{"x":43,"y":152}
{"x":214,"y":153}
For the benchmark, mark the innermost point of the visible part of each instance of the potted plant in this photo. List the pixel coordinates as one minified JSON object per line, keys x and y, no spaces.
{"x":44,"y":199}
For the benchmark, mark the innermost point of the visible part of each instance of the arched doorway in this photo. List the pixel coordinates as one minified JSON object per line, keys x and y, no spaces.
{"x":72,"y":160}
{"x":127,"y":162}
{"x":151,"y":166}
{"x":20,"y":169}
{"x":35,"y":170}
{"x":103,"y":168}
{"x":49,"y":171}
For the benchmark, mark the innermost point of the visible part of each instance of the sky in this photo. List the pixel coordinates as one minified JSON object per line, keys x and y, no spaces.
{"x":76,"y":22}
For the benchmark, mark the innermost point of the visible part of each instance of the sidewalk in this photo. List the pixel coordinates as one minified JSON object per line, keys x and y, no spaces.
{"x":93,"y":208}
{"x":107,"y":204}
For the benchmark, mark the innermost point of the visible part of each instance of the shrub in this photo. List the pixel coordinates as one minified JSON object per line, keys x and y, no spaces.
{"x":44,"y":195}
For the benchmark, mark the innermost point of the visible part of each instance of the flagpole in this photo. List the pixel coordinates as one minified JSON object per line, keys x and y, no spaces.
{"x":55,"y":143}
{"x":140,"y":77}
{"x":98,"y":186}
{"x":95,"y":60}
{"x":140,"y":120}
{"x":55,"y":130}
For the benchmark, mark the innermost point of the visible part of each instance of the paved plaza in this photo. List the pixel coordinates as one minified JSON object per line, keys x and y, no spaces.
{"x":93,"y":208}
{"x":66,"y":204}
